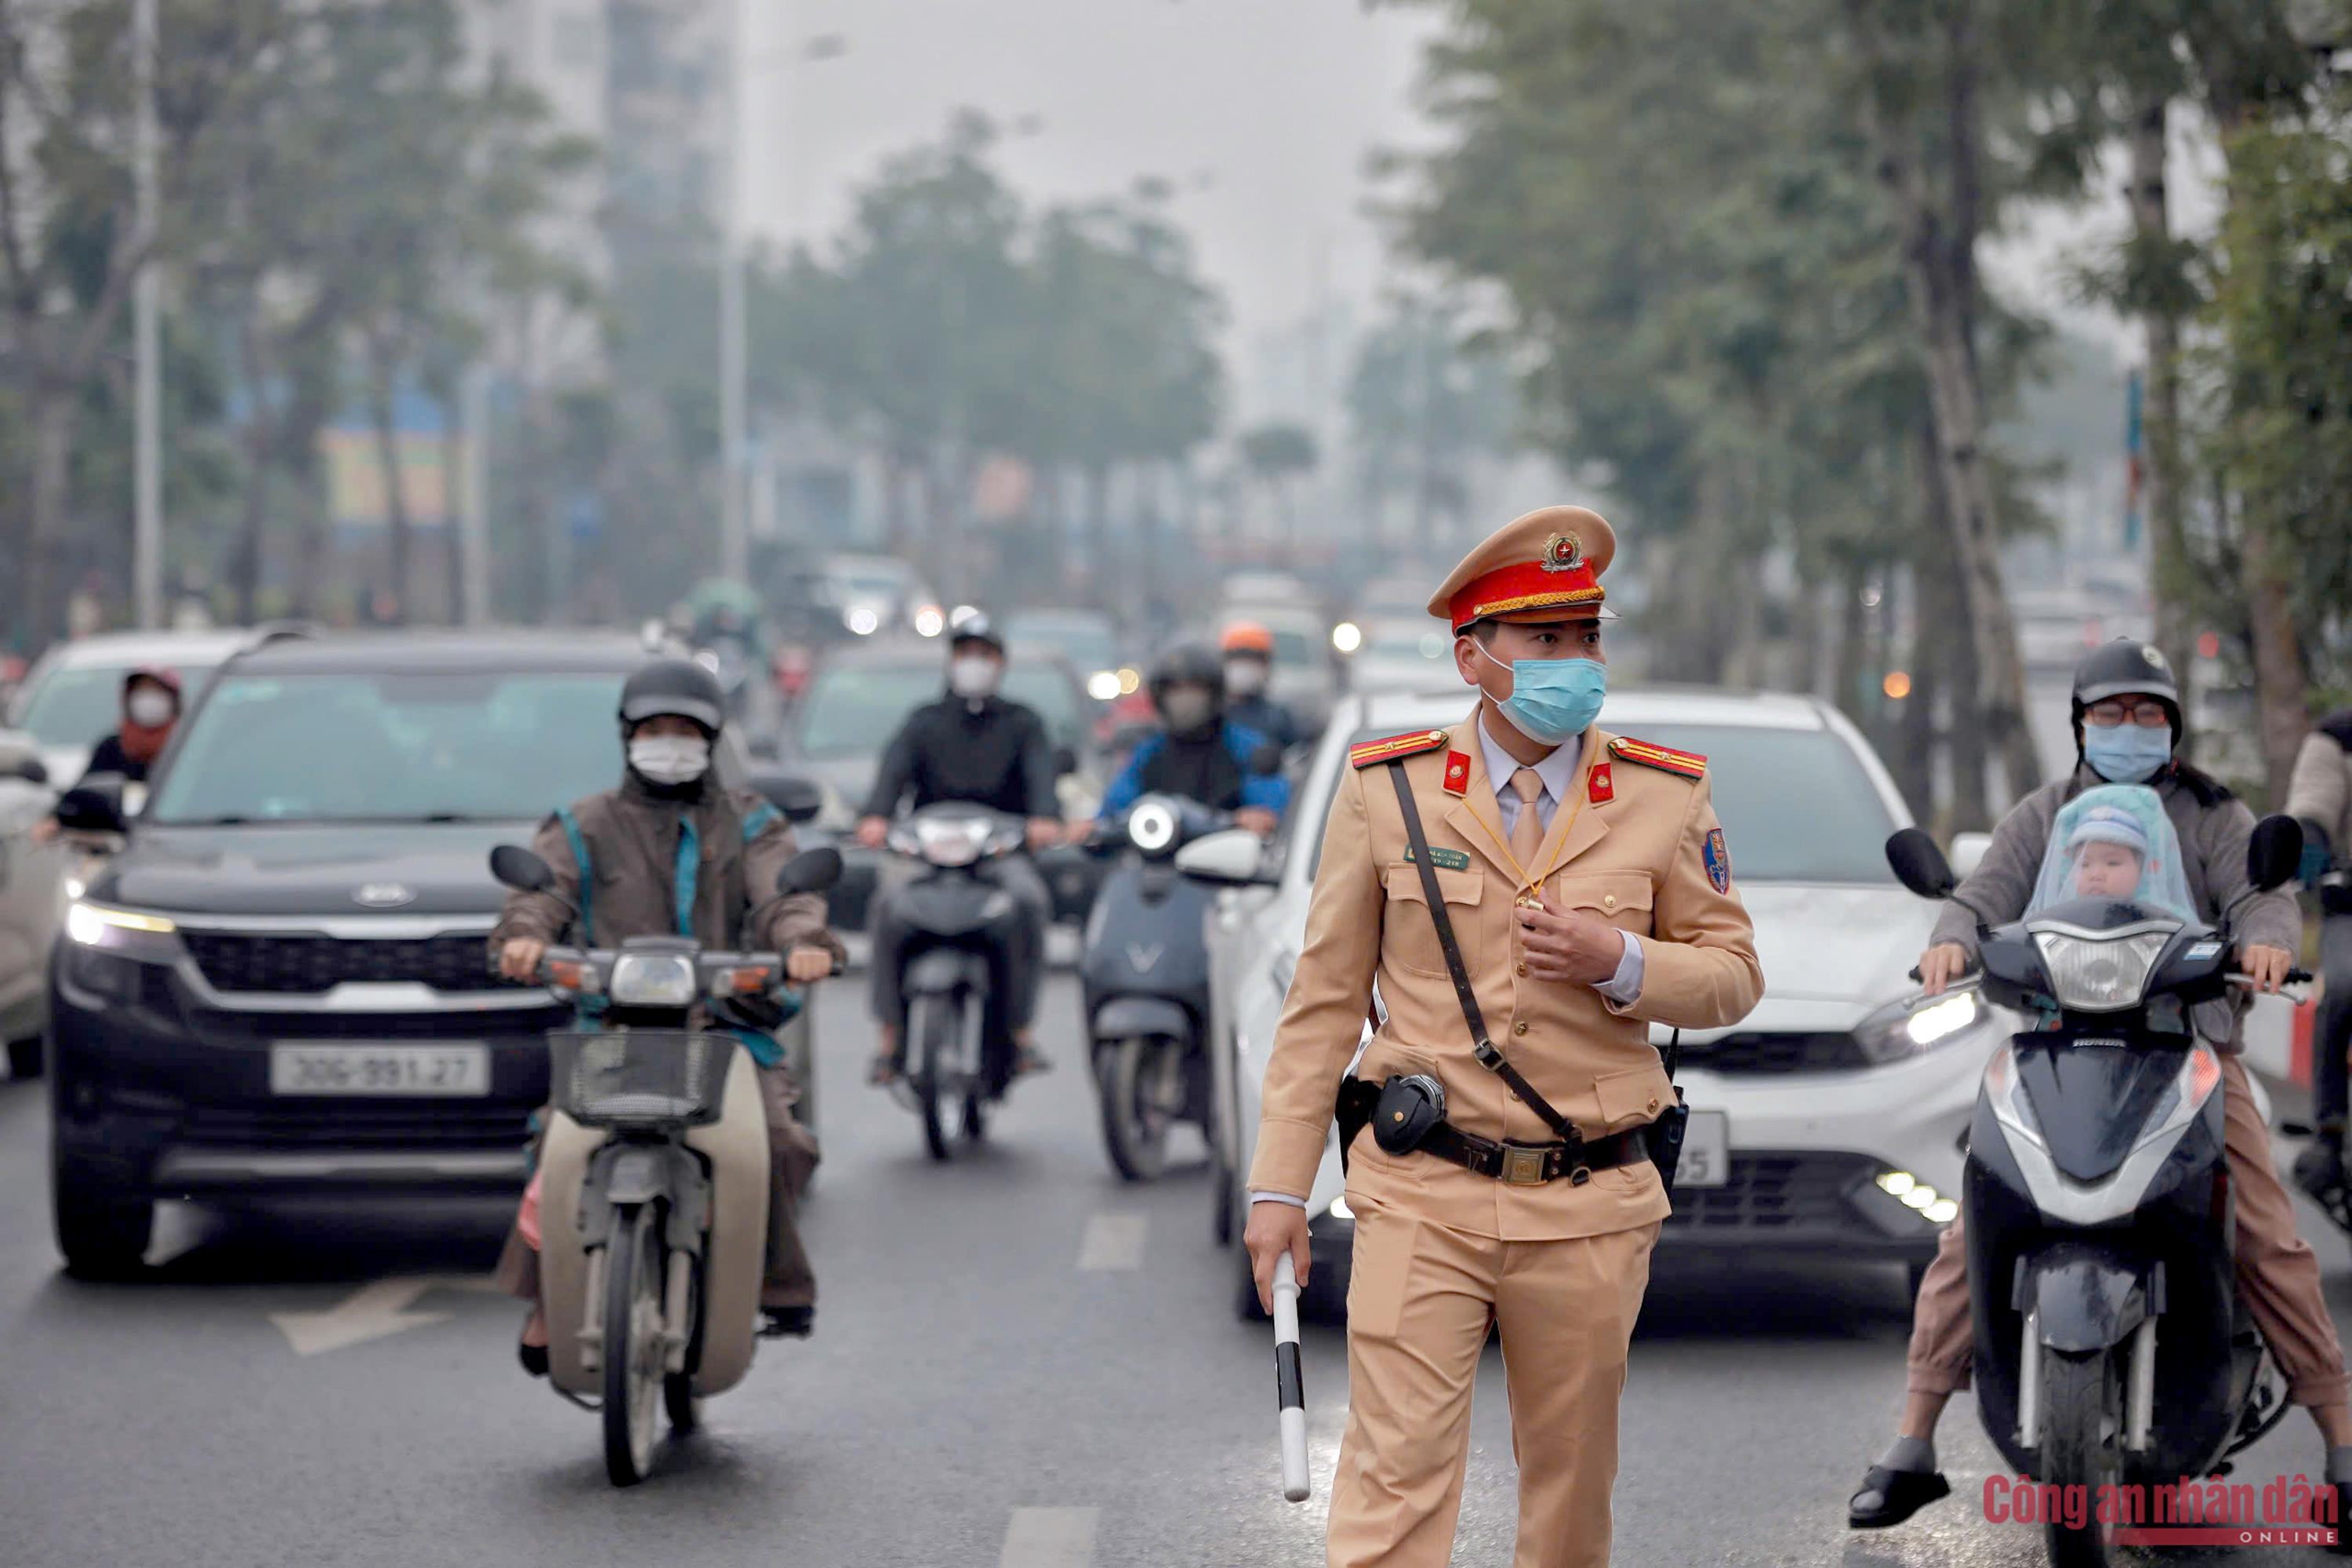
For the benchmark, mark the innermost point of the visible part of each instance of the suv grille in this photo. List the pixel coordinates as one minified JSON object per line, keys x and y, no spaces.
{"x":239,"y":961}
{"x":1772,"y":1192}
{"x":1777,"y":1053}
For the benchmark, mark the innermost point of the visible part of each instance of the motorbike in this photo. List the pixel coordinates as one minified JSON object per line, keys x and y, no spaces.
{"x":653,"y":1171}
{"x":1144,"y":968}
{"x":2112,"y":1345}
{"x":958,"y":1042}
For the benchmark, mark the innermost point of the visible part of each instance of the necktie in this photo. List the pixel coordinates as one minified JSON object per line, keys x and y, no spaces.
{"x":1528,"y":832}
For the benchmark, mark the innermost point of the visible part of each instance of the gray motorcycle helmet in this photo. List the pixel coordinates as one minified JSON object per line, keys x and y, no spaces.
{"x":673,"y":686}
{"x":2125,"y":665}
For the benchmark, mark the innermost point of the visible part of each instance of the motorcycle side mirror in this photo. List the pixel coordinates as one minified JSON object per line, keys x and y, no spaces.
{"x":1919,"y":865}
{"x":1235,"y":857}
{"x":2274,"y":853}
{"x":799,"y":799}
{"x":810,"y":872}
{"x":95,"y":806}
{"x":520,"y":869}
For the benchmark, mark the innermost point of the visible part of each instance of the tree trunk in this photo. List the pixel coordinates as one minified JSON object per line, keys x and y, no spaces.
{"x":41,"y":589}
{"x":1939,"y":274}
{"x":1913,"y":737}
{"x":1850,"y":669}
{"x":2161,"y":480}
{"x":396,"y":496}
{"x":2279,"y":684}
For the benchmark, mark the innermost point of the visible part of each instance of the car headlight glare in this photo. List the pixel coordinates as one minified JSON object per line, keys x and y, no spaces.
{"x":2094,"y":971}
{"x":1103,"y":685}
{"x":653,"y":980}
{"x":1943,"y":1211}
{"x":96,"y":925}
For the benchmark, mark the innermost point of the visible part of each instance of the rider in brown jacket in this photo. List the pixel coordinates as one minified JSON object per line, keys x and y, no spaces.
{"x":670,"y":852}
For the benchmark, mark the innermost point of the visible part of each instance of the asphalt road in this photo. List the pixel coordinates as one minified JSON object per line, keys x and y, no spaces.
{"x":1019,"y":1361}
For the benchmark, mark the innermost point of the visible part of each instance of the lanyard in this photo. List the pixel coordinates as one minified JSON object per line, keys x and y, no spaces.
{"x":1530,"y":895}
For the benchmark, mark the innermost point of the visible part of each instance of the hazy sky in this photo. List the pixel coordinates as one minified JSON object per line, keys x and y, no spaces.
{"x":1263,"y":111}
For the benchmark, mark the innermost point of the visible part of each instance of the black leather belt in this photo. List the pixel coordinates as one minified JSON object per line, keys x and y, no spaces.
{"x":1510,"y":1161}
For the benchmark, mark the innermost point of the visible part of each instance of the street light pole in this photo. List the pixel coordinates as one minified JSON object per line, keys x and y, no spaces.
{"x":734,"y":539}
{"x":147,"y":398}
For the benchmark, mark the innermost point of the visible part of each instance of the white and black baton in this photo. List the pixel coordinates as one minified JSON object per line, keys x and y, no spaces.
{"x":1290,"y":1389}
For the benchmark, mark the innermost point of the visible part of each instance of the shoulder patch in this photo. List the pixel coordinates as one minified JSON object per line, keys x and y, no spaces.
{"x":1395,"y":748}
{"x":1689,"y":764}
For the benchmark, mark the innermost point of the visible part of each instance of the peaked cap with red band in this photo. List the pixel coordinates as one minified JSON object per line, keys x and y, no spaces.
{"x":1545,"y":566}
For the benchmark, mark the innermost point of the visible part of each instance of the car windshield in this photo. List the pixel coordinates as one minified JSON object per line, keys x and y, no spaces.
{"x":1796,"y":804}
{"x":1294,"y":648}
{"x":1407,"y":642}
{"x":406,"y":747}
{"x":80,"y":706}
{"x":853,"y":711}
{"x":1087,"y":644}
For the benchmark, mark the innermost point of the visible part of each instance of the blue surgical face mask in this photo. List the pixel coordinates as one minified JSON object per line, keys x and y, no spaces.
{"x":1552,"y":700}
{"x":2126,"y":753}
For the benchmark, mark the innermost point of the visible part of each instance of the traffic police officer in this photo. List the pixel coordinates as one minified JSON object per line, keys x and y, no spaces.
{"x":1588,"y":887}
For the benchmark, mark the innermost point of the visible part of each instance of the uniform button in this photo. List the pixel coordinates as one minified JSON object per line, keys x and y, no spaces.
{"x":1608,"y":901}
{"x":1520,"y":1027}
{"x":1653,"y":1102}
{"x":1523,"y":969}
{"x":1515,"y":1099}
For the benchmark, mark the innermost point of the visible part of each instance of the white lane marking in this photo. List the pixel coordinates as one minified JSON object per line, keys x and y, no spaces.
{"x":1114,"y":1242}
{"x":371,"y":1312}
{"x":1049,"y":1538}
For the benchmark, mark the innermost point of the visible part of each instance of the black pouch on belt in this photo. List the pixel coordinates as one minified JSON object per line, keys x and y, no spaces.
{"x":1664,"y":1135}
{"x":1409,"y":1108}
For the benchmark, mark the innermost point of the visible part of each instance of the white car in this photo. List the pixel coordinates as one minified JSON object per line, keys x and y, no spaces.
{"x":29,"y":901}
{"x":1829,"y":1120}
{"x":72,"y":696}
{"x":1401,"y":654}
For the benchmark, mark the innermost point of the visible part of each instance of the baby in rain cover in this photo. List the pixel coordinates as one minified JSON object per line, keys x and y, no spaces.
{"x":2114,"y":842}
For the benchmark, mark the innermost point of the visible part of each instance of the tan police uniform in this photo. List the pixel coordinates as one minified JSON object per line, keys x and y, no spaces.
{"x":1443,"y":1253}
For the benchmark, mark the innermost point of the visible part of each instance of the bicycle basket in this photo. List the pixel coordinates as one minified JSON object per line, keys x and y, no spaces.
{"x":607,"y":1078}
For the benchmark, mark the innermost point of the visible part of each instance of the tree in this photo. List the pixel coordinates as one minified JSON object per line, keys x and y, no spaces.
{"x":1423,"y":406}
{"x":1277,"y":455}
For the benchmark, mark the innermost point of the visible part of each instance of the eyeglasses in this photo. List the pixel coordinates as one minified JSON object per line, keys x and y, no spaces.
{"x":2147,"y":715}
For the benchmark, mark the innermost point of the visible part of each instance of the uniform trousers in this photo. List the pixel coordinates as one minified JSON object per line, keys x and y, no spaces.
{"x":1421,"y":1301}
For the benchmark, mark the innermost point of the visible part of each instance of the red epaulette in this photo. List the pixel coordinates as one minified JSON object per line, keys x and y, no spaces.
{"x":1364,"y":753}
{"x":1689,"y":764}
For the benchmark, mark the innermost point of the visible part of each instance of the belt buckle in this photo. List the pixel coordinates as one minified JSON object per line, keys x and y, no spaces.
{"x":1522,"y":1167}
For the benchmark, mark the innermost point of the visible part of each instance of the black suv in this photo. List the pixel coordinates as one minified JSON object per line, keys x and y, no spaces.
{"x":280,"y":984}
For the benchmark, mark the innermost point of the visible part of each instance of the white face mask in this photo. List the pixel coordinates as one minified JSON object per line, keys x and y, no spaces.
{"x":973,"y":675}
{"x":147,"y":707}
{"x":1187,"y":709}
{"x":670,"y":759}
{"x":1244,"y":676}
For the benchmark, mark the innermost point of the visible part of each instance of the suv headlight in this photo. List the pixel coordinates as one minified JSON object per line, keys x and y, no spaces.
{"x":653,"y":980}
{"x":124,"y":931}
{"x":2097,"y":972}
{"x":1918,"y":1024}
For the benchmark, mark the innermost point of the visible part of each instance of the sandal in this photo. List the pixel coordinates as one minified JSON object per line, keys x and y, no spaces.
{"x":1890,"y":1497}
{"x":533,"y":1359}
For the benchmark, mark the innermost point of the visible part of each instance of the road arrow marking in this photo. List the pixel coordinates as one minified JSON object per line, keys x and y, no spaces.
{"x":371,"y":1312}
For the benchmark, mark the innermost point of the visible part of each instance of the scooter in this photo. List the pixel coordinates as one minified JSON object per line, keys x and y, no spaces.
{"x":653,"y":1173}
{"x":958,"y":1042}
{"x":2112,"y":1346}
{"x":1145,"y":966}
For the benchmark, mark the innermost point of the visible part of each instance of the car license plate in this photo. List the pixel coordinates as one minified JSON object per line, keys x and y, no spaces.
{"x":1706,"y":1151}
{"x":445,"y":1070}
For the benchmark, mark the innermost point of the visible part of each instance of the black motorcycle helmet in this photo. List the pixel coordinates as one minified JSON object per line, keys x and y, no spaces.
{"x":673,"y":686}
{"x":976,"y":628}
{"x":1190,"y":664}
{"x":2125,"y":665}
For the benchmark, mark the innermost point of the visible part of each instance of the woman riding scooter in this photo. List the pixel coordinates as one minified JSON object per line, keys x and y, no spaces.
{"x":2127,"y":729}
{"x":670,"y":853}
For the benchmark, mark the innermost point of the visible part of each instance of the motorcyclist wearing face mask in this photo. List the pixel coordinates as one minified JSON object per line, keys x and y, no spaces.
{"x":1248,"y":650}
{"x":1201,"y":752}
{"x":151,"y":708}
{"x":670,"y":852}
{"x":974,"y":746}
{"x":2127,"y":726}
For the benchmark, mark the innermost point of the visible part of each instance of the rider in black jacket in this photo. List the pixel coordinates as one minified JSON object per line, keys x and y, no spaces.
{"x":970,"y":746}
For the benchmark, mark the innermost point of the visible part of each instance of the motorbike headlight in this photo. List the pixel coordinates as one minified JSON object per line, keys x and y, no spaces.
{"x":2097,"y":972}
{"x":1103,"y":685}
{"x":653,"y":980}
{"x":953,"y":842}
{"x":1918,"y":1024}
{"x":1152,"y":827}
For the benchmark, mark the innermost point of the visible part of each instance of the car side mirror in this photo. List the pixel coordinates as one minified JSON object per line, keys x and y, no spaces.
{"x":522,"y":870}
{"x":2274,"y":853}
{"x":1235,"y":857}
{"x":810,"y":872}
{"x":94,"y":806}
{"x":1919,"y":865}
{"x":799,"y":799}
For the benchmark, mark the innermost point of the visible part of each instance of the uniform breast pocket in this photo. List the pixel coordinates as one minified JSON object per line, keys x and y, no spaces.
{"x":1408,"y":935}
{"x":1621,"y":897}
